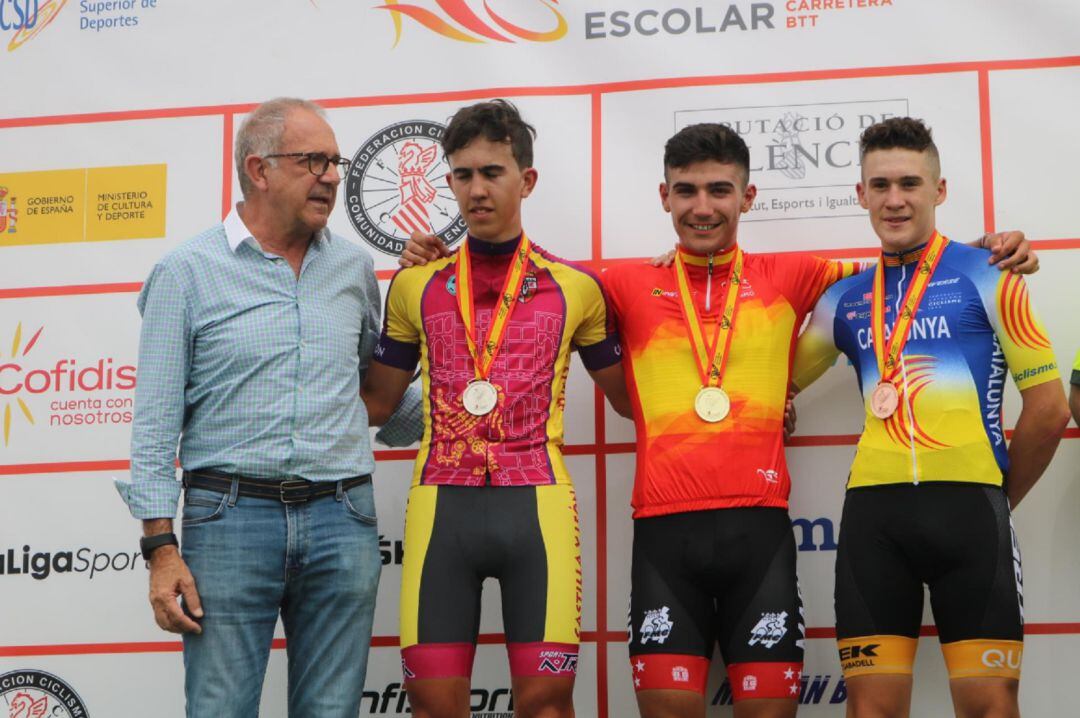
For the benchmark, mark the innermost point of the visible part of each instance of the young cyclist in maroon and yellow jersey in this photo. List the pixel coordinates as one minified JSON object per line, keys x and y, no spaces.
{"x":492,"y":327}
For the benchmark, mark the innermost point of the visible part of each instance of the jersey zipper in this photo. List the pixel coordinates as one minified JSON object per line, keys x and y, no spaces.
{"x":708,"y":284}
{"x":903,"y":376}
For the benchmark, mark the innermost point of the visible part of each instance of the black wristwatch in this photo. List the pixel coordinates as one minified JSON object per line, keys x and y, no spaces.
{"x":149,"y":544}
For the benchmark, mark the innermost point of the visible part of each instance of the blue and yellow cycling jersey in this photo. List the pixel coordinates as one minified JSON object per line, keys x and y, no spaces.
{"x":974,"y":325}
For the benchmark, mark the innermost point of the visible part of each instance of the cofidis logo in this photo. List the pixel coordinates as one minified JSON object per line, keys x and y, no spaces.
{"x":457,"y":20}
{"x":26,"y":18}
{"x":69,"y":392}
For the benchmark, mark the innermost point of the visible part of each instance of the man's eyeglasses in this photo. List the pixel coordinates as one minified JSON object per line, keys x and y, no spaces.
{"x":317,"y":162}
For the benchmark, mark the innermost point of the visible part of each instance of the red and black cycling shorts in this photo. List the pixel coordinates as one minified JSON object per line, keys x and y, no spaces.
{"x":722,"y":576}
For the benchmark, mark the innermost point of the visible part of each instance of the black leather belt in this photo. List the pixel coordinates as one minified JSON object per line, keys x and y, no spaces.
{"x":287,"y":491}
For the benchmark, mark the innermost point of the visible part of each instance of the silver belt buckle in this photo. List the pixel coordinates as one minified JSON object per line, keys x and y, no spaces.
{"x":292,"y":484}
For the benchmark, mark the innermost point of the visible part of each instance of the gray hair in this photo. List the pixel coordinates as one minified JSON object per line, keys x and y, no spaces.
{"x":260,"y":134}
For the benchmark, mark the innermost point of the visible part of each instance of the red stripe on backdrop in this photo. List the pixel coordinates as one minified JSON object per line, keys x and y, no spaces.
{"x":70,"y":290}
{"x":601,"y":559}
{"x":467,"y":95}
{"x":82,"y":649}
{"x":226,"y":164}
{"x":987,"y":142}
{"x":597,"y":171}
{"x":67,"y":467}
{"x":599,"y":426}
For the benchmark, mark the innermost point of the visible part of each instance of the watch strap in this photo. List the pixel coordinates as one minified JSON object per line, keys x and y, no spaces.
{"x":149,"y":544}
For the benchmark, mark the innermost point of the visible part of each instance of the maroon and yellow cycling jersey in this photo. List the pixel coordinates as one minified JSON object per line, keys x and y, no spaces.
{"x":560,"y":306}
{"x":683,"y":462}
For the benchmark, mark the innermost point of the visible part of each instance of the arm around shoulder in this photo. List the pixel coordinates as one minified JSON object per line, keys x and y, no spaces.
{"x":382,"y":391}
{"x":612,"y":382}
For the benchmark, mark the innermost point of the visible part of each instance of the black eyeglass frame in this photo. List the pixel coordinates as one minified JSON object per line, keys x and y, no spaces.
{"x":312,"y":157}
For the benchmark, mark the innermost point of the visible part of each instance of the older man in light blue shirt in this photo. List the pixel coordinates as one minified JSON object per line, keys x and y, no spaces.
{"x":256,"y":336}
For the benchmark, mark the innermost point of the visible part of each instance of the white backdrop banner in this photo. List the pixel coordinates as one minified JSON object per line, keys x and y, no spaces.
{"x":116,"y":134}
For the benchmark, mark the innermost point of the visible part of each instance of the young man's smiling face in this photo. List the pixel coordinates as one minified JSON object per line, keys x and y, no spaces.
{"x":705,"y":200}
{"x":901,"y":188}
{"x":489,"y":187}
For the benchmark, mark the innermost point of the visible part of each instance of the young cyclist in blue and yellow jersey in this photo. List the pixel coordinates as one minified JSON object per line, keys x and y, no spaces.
{"x":932,"y":331}
{"x":492,"y":327}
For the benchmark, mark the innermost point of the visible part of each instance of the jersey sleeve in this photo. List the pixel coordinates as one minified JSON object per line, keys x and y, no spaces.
{"x":1075,"y":380}
{"x":1021,"y":335}
{"x":595,"y":337}
{"x":816,"y":349}
{"x":399,"y":343}
{"x":803,"y":278}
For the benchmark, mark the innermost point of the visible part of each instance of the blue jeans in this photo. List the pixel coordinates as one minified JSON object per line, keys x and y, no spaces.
{"x":316,"y":563}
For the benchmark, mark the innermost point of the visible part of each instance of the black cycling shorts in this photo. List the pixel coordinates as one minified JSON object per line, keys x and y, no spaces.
{"x":957,"y":539}
{"x":726,"y":576}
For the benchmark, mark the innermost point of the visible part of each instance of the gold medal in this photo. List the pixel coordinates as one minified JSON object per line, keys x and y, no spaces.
{"x":884,"y":400}
{"x":712,"y":404}
{"x":480,"y":397}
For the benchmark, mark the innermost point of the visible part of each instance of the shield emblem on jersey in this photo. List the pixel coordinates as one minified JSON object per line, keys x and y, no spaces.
{"x":528,"y":288}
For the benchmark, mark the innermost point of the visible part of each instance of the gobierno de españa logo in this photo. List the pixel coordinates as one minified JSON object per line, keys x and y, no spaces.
{"x":456,"y":20}
{"x":397,"y":186}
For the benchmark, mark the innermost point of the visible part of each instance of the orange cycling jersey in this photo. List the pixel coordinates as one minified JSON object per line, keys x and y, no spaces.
{"x":683,"y":462}
{"x":518,"y":443}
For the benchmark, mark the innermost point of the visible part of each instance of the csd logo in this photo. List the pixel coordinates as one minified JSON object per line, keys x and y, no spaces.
{"x":996,"y":658}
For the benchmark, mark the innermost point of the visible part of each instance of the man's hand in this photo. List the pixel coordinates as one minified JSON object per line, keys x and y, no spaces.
{"x":1011,"y":251}
{"x":664,"y":260}
{"x":421,"y":249}
{"x":789,"y":416}
{"x":170,"y":579}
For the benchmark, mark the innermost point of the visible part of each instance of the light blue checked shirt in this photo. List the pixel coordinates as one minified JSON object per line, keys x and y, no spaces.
{"x":254,"y":371}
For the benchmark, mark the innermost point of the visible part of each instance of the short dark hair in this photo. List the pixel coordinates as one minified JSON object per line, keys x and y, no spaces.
{"x":904,"y":133}
{"x":704,"y":142}
{"x":495,"y":121}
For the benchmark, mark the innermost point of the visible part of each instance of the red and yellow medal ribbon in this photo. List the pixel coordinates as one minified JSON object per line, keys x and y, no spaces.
{"x":888,"y":353}
{"x":484,"y":354}
{"x":711,"y":359}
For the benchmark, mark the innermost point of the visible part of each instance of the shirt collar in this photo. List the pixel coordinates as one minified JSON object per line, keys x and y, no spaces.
{"x":719,"y":259}
{"x":479,"y":246}
{"x":237,"y":233}
{"x":908,"y":256}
